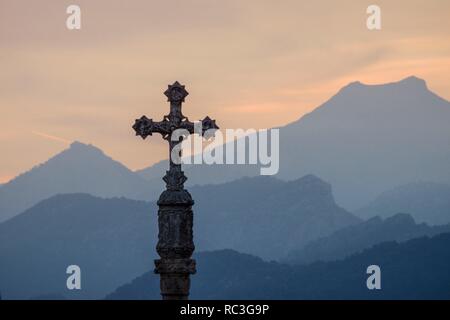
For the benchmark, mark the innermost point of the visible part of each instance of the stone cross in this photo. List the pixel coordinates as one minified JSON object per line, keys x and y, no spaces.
{"x":175,"y":217}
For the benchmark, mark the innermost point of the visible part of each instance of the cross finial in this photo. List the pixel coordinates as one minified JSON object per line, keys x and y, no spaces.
{"x":175,"y":218}
{"x":176,"y":92}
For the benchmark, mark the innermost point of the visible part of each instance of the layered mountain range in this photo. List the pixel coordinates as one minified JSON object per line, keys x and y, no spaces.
{"x":113,"y":240}
{"x":416,"y":269}
{"x":356,"y":238}
{"x":364,"y":140}
{"x":385,"y":149}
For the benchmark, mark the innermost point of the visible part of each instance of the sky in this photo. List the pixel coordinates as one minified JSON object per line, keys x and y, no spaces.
{"x":246,"y":63}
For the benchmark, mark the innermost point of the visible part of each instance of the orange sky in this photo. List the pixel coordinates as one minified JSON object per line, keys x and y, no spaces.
{"x":251,"y":63}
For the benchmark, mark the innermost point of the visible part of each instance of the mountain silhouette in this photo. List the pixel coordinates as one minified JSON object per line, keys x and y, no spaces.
{"x":426,"y":201}
{"x":80,"y":168}
{"x":113,"y":240}
{"x":265,"y":216}
{"x":353,"y":239}
{"x":365,"y":140}
{"x":416,"y":269}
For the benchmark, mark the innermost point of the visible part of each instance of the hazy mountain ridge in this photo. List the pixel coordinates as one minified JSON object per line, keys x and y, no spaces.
{"x":113,"y":240}
{"x":364,"y":140}
{"x":231,"y":275}
{"x":356,"y":238}
{"x":425,"y":201}
{"x":102,"y":236}
{"x":81,"y":168}
{"x":367,"y":139}
{"x":266,"y":217}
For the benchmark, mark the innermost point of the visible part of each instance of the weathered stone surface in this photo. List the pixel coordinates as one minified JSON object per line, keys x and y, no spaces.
{"x":175,"y":217}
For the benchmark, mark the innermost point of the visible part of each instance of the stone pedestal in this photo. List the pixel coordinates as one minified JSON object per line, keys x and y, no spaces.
{"x":175,"y":244}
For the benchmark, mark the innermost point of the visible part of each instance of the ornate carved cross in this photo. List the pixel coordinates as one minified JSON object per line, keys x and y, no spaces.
{"x":144,"y":127}
{"x":175,"y":217}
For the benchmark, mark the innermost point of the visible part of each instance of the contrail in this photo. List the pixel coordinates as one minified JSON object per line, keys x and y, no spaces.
{"x":50,"y":137}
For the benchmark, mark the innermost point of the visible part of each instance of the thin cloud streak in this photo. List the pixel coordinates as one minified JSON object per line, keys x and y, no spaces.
{"x":51,"y":137}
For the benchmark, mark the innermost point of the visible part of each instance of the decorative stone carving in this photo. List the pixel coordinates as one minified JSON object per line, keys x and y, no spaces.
{"x":175,"y":217}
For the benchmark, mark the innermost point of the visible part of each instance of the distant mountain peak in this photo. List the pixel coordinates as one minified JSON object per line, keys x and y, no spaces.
{"x":80,"y":146}
{"x":310,"y":178}
{"x":313,"y":183}
{"x":425,"y":201}
{"x":79,"y":168}
{"x":355,"y":84}
{"x":410,"y":83}
{"x":401,"y":218}
{"x":413,"y":80}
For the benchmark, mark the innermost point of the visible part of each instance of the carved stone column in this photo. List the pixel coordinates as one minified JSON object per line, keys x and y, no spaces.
{"x":175,"y":243}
